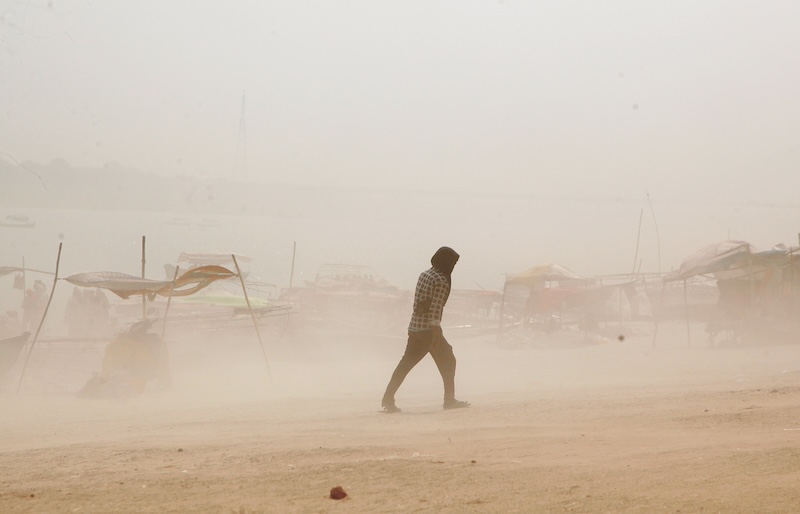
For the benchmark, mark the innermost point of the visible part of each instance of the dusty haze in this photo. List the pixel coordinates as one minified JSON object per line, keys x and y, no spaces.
{"x":607,"y":138}
{"x":682,"y":101}
{"x":559,"y":423}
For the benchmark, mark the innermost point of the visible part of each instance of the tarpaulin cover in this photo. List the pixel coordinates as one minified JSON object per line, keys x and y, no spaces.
{"x":6,"y":270}
{"x":542,"y":273}
{"x":125,"y":286}
{"x":730,"y":259}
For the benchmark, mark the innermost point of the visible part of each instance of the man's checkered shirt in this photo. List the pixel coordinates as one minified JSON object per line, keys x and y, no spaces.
{"x":433,"y":289}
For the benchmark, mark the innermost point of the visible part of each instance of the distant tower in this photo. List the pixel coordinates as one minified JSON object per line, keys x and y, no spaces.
{"x":240,"y":166}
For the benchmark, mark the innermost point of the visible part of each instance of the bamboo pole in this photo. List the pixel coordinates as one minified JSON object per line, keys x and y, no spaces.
{"x":688,"y":321}
{"x":791,"y":283}
{"x":165,"y":370}
{"x":252,"y":316}
{"x":633,"y":270}
{"x":500,"y":320}
{"x":619,"y":308}
{"x":792,"y":276}
{"x":638,"y":239}
{"x":660,"y":311}
{"x":144,"y":297}
{"x":663,"y":284}
{"x":41,"y":322}
{"x":658,"y":236}
{"x":294,"y":252}
{"x":169,"y":301}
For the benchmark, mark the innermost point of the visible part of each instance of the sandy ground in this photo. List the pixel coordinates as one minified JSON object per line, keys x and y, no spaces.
{"x":612,"y":427}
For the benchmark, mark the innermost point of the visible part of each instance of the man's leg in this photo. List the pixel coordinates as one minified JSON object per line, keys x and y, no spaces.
{"x":442,"y":354}
{"x":419,"y":344}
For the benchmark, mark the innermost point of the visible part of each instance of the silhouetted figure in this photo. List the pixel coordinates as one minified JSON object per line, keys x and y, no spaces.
{"x":75,"y":314}
{"x":425,"y":331}
{"x":33,"y":305}
{"x":98,"y":312}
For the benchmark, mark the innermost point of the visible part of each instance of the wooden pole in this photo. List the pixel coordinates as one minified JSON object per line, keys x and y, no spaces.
{"x":658,"y":237}
{"x":619,"y":295}
{"x":502,"y":308}
{"x":663,"y":284}
{"x":165,"y":374}
{"x":291,"y":275}
{"x":660,"y":310}
{"x":41,"y":322}
{"x":638,"y":239}
{"x":791,"y":281}
{"x":252,"y":316}
{"x":688,"y":321}
{"x":169,"y":301}
{"x":144,"y":296}
{"x":633,"y":270}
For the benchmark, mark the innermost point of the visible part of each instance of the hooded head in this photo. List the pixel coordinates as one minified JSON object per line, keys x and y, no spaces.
{"x":445,"y":260}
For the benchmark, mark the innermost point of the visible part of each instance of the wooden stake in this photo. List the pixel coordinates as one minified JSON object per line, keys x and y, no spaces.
{"x":688,"y":322}
{"x":169,"y":301}
{"x":658,"y":237}
{"x":144,"y":296}
{"x":164,"y":368}
{"x":252,"y":316}
{"x":502,"y":308}
{"x":633,"y":271}
{"x":638,"y":238}
{"x":294,"y":252}
{"x":660,"y":310}
{"x":41,"y":322}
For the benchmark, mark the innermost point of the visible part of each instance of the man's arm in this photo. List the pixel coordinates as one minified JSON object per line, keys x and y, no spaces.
{"x":438,"y":298}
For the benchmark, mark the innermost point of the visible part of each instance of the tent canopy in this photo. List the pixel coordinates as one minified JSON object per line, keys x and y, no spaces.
{"x":543,"y":273}
{"x":726,"y":260}
{"x":7,"y":270}
{"x":125,"y":286}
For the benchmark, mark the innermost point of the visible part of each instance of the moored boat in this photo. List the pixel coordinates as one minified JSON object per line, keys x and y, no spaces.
{"x":17,"y":221}
{"x":10,"y":349}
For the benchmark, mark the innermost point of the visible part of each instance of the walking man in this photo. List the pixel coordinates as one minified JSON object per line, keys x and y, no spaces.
{"x":425,"y":331}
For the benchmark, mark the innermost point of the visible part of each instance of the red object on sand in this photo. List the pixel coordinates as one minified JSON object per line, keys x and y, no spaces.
{"x":337,"y":493}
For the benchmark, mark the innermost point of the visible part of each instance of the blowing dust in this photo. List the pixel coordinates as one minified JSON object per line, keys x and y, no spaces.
{"x":217,"y":371}
{"x":274,"y":420}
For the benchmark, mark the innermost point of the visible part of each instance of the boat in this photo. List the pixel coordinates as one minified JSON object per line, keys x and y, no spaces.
{"x":180,"y":222}
{"x":209,"y":222}
{"x":193,"y":260}
{"x":17,"y":221}
{"x":10,"y":349}
{"x":351,"y":301}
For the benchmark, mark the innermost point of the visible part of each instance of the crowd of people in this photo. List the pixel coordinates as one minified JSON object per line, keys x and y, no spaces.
{"x":87,"y":313}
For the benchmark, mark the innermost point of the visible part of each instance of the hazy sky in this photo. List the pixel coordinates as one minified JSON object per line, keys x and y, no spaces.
{"x":584,"y":98}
